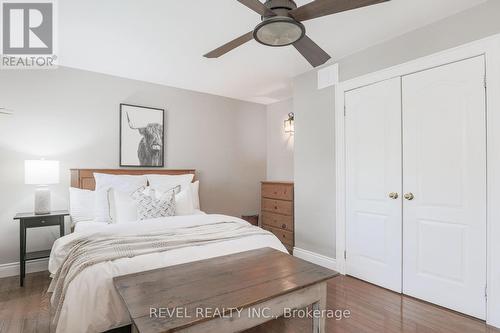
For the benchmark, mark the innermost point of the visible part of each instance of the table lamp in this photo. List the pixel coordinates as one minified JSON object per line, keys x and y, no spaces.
{"x":41,"y":173}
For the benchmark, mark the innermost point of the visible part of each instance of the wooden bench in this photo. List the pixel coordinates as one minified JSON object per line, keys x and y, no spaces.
{"x":224,"y":294}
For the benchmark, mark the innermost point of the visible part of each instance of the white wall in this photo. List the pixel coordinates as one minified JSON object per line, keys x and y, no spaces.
{"x":314,"y":110}
{"x":279,"y":144}
{"x":314,"y":164}
{"x":73,"y":116}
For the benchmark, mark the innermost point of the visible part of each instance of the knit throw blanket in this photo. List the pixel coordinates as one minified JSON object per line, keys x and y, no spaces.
{"x":97,"y":248}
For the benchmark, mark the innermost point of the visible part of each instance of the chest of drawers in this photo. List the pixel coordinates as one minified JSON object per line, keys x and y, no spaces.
{"x":277,"y":211}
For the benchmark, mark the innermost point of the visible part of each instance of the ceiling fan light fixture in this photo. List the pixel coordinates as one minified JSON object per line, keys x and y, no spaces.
{"x":279,"y":31}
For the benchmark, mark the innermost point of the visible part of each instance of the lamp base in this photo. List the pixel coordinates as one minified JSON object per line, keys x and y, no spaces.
{"x":42,"y":200}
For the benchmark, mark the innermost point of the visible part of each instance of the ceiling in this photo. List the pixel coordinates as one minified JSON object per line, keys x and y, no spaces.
{"x":163,"y":41}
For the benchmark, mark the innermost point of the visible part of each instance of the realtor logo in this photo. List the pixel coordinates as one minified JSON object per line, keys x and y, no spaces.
{"x":28,"y":34}
{"x":27,"y":28}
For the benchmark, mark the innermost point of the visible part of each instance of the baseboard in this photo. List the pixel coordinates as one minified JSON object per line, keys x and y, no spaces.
{"x":315,"y":258}
{"x":12,"y":269}
{"x":40,"y":265}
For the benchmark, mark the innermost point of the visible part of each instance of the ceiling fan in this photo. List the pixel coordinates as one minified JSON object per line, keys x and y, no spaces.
{"x":281,"y":25}
{"x":6,"y":111}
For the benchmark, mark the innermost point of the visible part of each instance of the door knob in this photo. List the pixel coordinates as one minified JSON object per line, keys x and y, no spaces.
{"x":393,"y":195}
{"x":409,"y":196}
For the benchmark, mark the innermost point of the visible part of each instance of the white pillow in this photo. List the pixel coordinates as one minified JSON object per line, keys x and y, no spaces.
{"x":195,"y":191}
{"x":184,"y":202}
{"x":123,"y":207}
{"x":81,"y":205}
{"x":104,"y":182}
{"x":164,"y":183}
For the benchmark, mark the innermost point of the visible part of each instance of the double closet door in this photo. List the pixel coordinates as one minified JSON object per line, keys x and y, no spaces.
{"x":416,"y":185}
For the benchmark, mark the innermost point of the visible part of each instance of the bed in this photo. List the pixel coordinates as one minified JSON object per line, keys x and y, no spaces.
{"x":91,"y":303}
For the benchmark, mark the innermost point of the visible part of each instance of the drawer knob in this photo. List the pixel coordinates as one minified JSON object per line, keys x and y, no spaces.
{"x":275,"y":192}
{"x":42,"y":221}
{"x":283,"y":226}
{"x":275,"y":207}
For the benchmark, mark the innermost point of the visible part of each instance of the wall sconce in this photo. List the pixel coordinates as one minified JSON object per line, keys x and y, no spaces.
{"x":289,"y":124}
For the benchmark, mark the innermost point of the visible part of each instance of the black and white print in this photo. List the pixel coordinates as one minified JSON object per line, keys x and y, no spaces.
{"x":141,"y":136}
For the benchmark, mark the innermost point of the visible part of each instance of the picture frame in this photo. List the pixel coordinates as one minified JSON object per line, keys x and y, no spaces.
{"x":142,"y":136}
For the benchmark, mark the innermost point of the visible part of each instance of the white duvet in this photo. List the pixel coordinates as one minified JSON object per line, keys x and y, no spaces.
{"x":92,"y":303}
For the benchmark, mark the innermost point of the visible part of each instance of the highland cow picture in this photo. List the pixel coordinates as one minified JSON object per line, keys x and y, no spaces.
{"x":141,"y":136}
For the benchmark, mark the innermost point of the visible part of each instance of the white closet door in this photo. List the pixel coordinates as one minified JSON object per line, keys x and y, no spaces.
{"x":444,"y":163}
{"x":373,"y":226}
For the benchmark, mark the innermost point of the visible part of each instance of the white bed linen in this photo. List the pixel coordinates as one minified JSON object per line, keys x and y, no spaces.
{"x":86,"y":226}
{"x":92,"y":303}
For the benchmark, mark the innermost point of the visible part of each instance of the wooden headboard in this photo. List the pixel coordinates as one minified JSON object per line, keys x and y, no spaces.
{"x":84,"y":178}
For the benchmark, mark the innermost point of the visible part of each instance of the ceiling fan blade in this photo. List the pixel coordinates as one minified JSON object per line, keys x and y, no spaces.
{"x":311,"y":51}
{"x":257,"y":7}
{"x":320,"y":8}
{"x":6,"y":111}
{"x":230,"y":46}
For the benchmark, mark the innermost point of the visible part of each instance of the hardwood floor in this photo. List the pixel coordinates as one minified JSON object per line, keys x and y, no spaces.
{"x":373,"y":309}
{"x":24,"y":309}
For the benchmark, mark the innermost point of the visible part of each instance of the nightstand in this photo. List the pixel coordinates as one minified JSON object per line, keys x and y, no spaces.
{"x":30,"y":220}
{"x":252,"y":219}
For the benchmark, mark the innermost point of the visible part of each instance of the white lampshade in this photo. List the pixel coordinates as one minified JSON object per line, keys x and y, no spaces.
{"x":41,"y":172}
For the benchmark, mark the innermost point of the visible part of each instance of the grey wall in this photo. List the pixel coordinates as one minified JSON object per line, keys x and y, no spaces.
{"x":314,"y":109}
{"x":72,"y":116}
{"x":314,"y":163}
{"x":279,"y":144}
{"x":470,"y":25}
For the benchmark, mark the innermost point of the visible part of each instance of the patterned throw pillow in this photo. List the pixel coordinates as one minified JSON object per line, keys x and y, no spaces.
{"x":151,"y":204}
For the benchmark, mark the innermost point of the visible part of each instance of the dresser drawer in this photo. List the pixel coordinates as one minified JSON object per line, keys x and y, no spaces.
{"x":41,"y":221}
{"x":284,"y":222}
{"x":277,"y":191}
{"x":277,"y":206}
{"x":286,"y":237}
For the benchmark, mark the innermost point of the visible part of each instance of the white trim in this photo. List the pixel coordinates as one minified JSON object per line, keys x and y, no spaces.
{"x":493,"y":184}
{"x":12,"y":269}
{"x":490,"y":48}
{"x":315,"y":258}
{"x":340,"y":179}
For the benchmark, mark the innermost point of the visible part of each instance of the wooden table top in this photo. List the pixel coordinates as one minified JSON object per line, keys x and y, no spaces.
{"x":234,"y":281}
{"x":33,"y":215}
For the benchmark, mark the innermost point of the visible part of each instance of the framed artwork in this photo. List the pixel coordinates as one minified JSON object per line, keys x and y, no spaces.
{"x":141,"y":136}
